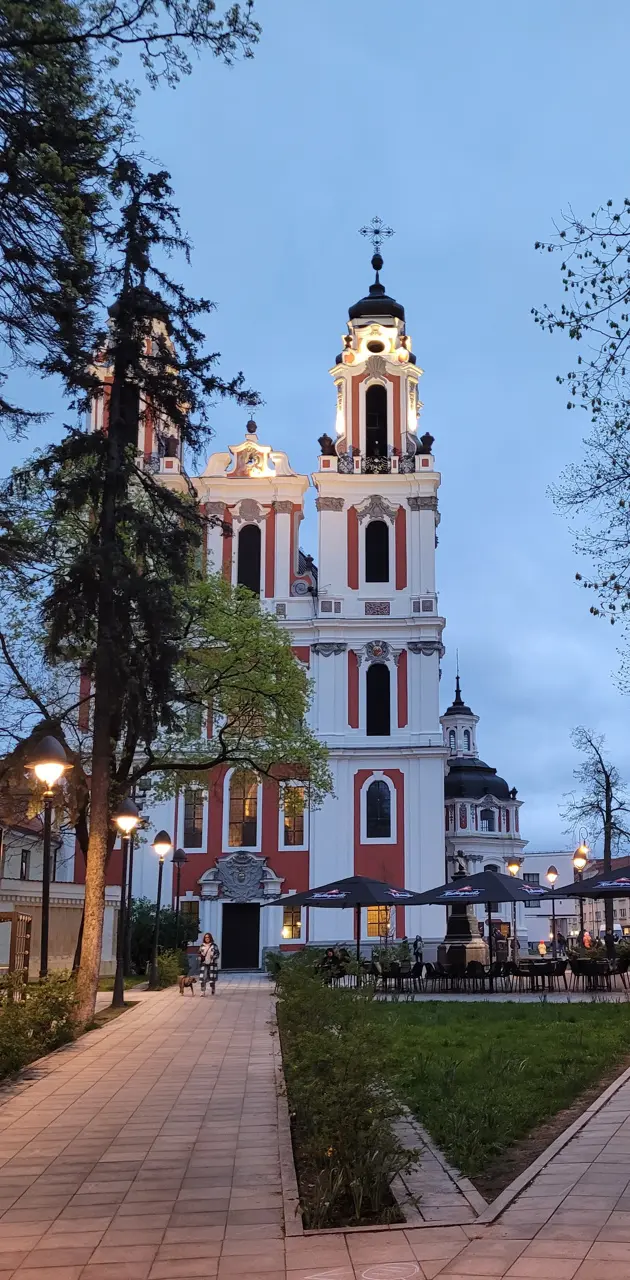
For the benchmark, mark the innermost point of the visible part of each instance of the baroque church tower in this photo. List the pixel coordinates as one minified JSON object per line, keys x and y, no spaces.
{"x":365,"y":622}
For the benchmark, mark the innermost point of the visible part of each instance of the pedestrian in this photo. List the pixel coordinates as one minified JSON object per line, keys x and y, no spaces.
{"x":209,"y":962}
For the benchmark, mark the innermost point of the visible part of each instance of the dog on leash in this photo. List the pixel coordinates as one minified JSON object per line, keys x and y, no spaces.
{"x":187,"y":982}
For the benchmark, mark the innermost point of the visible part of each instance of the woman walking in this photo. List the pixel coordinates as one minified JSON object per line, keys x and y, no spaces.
{"x":209,"y":961}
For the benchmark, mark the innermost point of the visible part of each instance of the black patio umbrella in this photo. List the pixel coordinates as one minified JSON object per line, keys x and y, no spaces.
{"x":354,"y":891}
{"x":609,"y":884}
{"x":485,"y":887}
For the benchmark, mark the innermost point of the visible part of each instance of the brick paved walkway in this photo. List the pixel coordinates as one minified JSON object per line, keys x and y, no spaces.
{"x":149,"y":1150}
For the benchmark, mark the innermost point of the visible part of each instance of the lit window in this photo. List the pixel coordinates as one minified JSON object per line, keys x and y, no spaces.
{"x":291,"y":923}
{"x":378,"y":921}
{"x":193,"y":818}
{"x":378,"y":811}
{"x":486,"y":818}
{"x":293,"y":815}
{"x":243,"y":809}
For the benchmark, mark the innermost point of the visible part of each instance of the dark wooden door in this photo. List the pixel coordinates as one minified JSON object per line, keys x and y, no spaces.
{"x":240,"y":936}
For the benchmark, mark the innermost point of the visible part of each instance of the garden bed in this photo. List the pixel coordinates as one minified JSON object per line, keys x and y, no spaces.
{"x":494,"y":1084}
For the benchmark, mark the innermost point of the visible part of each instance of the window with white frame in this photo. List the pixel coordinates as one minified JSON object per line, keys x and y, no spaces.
{"x":243,"y":809}
{"x":487,"y":820}
{"x":293,"y":816}
{"x":378,"y":817}
{"x":291,"y":923}
{"x":193,"y":818}
{"x":379,"y":921}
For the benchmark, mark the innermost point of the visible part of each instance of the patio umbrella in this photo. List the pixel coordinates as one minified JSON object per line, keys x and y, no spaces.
{"x":354,"y":891}
{"x":488,"y":887}
{"x":606,"y":885}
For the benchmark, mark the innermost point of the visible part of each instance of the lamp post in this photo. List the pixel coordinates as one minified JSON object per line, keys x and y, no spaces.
{"x":49,"y":763}
{"x":126,"y":818}
{"x":162,"y":845}
{"x":179,"y":858}
{"x":552,"y":876}
{"x":580,"y":859}
{"x":514,"y":866}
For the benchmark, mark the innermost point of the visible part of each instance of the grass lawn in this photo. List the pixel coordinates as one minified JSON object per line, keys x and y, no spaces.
{"x":107,"y":984}
{"x":482,"y":1077}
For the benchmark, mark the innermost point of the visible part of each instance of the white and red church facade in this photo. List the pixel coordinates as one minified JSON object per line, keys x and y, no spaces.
{"x":366,"y":624}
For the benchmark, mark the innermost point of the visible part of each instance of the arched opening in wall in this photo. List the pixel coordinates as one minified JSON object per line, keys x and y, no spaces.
{"x":248,"y":561}
{"x":378,"y":822}
{"x":377,"y":700}
{"x":376,"y":422}
{"x":486,"y":818}
{"x":466,"y":739}
{"x":243,"y":822}
{"x":377,"y":552}
{"x":451,"y":740}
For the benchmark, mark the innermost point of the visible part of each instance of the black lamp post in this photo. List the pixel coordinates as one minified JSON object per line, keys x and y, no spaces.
{"x":514,"y":866}
{"x":162,"y":846}
{"x":580,"y":859}
{"x":126,"y":818}
{"x":48,"y":762}
{"x":179,"y":859}
{"x":552,"y":876}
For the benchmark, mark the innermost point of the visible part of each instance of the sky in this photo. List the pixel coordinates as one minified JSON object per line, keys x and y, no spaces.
{"x":468,"y":128}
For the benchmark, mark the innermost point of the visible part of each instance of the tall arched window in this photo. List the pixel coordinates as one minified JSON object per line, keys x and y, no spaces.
{"x":467,"y":739}
{"x":451,"y":740}
{"x":377,"y":700}
{"x":378,"y":811}
{"x":248,"y":562}
{"x":376,"y":422}
{"x":243,"y":827}
{"x":486,"y":818}
{"x":377,"y":552}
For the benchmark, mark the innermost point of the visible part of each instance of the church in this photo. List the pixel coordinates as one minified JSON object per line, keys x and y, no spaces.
{"x":365,"y":621}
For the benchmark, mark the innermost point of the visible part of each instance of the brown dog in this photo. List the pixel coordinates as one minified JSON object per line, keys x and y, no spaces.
{"x":187,"y":982}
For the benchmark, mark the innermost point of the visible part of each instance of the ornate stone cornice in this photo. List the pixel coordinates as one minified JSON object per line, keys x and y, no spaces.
{"x":423,"y":504}
{"x":329,"y":504}
{"x":427,"y":647}
{"x":283,"y":507}
{"x":328,"y":650}
{"x":377,"y":508}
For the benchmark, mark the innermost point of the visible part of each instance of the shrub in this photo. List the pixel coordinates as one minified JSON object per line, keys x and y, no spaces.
{"x":39,"y":1020}
{"x":143,"y":924}
{"x":336,"y":1064}
{"x":169,"y":967}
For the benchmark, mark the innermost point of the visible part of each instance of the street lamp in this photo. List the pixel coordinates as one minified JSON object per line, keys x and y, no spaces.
{"x":179,"y":858}
{"x":49,"y":763}
{"x":126,"y":818}
{"x":580,"y":859}
{"x":514,"y":866}
{"x":552,"y":876}
{"x":162,"y":845}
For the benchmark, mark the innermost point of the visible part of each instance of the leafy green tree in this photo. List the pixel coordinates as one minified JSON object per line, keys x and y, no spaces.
{"x":143,"y":924}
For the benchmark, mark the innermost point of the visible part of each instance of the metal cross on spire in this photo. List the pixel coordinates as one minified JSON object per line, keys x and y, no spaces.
{"x":376,"y":231}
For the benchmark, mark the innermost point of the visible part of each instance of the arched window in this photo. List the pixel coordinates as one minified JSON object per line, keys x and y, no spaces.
{"x":376,"y":422}
{"x":378,"y":811}
{"x":248,"y":563}
{"x":243,"y":828}
{"x":467,"y":739}
{"x":377,"y":552}
{"x":507,"y":819}
{"x":451,"y":740}
{"x":486,"y":818}
{"x":377,"y":700}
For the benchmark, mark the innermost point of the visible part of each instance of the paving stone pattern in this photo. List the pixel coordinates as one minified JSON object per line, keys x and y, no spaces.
{"x":149,"y":1150}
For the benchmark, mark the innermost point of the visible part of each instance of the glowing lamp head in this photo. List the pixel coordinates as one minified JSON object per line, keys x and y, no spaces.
{"x":126,"y":817}
{"x":581,"y":856}
{"x":552,"y":875}
{"x":514,"y":866}
{"x":49,"y":761}
{"x":162,"y":844}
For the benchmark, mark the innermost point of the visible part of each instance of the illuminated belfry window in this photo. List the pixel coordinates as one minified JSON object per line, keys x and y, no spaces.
{"x":248,"y":562}
{"x":376,"y":422}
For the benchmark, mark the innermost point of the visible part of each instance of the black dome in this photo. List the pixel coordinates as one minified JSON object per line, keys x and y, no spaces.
{"x":471,"y":779}
{"x":377,"y":302}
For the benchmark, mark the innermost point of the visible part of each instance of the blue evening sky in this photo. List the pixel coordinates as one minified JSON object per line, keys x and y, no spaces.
{"x":468,"y":128}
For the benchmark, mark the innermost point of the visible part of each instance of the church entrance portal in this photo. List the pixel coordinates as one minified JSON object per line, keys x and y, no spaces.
{"x":240,"y":935}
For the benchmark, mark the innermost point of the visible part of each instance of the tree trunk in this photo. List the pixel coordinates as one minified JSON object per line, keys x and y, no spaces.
{"x":77,"y":951}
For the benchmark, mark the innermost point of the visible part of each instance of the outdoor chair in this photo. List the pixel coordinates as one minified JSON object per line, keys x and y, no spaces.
{"x":524,"y":974}
{"x":621,"y":967}
{"x":476,"y":975}
{"x":457,"y":976}
{"x":560,"y":972}
{"x":496,"y":972}
{"x":417,"y":976}
{"x":602,"y":975}
{"x":433,"y":976}
{"x":510,"y":974}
